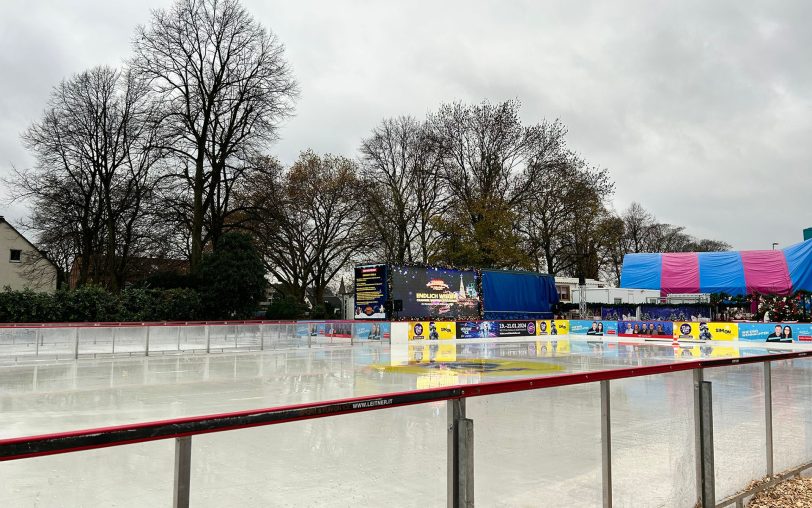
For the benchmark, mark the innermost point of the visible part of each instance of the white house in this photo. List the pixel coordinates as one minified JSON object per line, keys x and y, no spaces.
{"x":22,"y":265}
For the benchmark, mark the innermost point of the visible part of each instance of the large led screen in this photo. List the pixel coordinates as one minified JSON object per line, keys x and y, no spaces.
{"x":435,"y":292}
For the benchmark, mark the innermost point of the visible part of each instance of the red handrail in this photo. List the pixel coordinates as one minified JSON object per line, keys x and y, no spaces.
{"x":65,"y":442}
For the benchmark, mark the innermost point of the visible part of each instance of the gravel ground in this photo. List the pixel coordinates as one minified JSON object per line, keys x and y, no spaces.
{"x":794,"y":493}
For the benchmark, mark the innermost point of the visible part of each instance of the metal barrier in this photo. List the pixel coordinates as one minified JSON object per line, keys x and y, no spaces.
{"x":84,"y":340}
{"x":460,"y":430}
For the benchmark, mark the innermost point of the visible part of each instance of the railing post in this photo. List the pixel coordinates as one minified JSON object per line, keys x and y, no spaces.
{"x":36,"y":340}
{"x":146,"y":342}
{"x":606,"y":444}
{"x":179,"y":329}
{"x":707,"y":479}
{"x":460,"y":483}
{"x":114,"y":341}
{"x":183,"y":472}
{"x":76,"y":344}
{"x":768,"y":414}
{"x":261,"y":337}
{"x":208,"y":339}
{"x":352,"y":333}
{"x":698,"y":378}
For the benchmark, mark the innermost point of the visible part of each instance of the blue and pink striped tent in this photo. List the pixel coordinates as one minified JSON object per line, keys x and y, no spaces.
{"x":778,"y":272}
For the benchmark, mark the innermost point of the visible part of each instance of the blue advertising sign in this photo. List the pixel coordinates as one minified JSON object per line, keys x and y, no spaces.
{"x":646,"y":329}
{"x":599,"y":328}
{"x":477,"y":329}
{"x":775,"y":332}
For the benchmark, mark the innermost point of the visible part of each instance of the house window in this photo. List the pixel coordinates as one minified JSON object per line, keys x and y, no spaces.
{"x":563,"y":293}
{"x":15,"y":255}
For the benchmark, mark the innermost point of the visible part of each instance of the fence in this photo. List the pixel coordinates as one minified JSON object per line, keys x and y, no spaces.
{"x":720,"y":466}
{"x":59,"y":341}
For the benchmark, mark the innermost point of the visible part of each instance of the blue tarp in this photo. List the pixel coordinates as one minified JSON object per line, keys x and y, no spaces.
{"x":721,"y":272}
{"x":641,"y":271}
{"x":799,"y":263}
{"x":517,"y":295}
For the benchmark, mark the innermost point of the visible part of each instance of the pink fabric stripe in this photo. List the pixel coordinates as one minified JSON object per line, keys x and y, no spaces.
{"x":680,"y":273}
{"x":765,"y":271}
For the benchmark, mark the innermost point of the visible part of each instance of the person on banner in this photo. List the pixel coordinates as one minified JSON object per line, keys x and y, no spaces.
{"x":660,"y":330}
{"x":600,"y":329}
{"x":433,"y":334}
{"x":776,"y":335}
{"x":553,"y":328}
{"x":704,"y":332}
{"x":628,"y":330}
{"x":593,"y":330}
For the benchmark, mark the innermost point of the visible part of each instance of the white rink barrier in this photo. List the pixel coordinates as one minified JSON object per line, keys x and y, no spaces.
{"x":85,"y":340}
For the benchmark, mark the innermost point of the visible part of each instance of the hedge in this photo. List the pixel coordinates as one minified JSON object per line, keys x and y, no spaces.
{"x":91,"y":303}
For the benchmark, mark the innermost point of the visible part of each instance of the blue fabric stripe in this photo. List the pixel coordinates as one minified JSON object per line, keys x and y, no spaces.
{"x":721,"y":272}
{"x":799,"y":263}
{"x":641,"y":271}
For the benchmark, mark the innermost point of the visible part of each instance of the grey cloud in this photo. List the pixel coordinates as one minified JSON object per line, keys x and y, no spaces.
{"x":701,"y":110}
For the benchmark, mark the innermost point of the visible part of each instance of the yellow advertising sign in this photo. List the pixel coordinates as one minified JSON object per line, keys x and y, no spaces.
{"x":723,"y":331}
{"x":553,"y":327}
{"x":432,"y":330}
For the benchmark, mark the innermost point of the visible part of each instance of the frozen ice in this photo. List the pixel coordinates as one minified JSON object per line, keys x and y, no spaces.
{"x":536,"y":448}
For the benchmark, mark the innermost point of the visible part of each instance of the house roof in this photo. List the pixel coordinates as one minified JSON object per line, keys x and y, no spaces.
{"x":40,"y":251}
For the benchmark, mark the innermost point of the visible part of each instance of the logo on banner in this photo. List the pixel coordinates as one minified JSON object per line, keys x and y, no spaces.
{"x":418,"y":329}
{"x":531,"y":328}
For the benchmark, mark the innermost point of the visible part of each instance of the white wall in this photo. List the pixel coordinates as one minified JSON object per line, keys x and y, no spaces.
{"x":608,"y":295}
{"x":33,"y":272}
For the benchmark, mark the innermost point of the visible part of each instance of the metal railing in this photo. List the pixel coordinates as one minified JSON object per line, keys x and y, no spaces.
{"x":83,"y":340}
{"x":460,"y":429}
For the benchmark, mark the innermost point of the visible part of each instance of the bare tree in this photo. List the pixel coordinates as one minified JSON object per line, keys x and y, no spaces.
{"x":224,"y":86}
{"x":95,"y":156}
{"x":401,"y":170}
{"x":493,"y":165}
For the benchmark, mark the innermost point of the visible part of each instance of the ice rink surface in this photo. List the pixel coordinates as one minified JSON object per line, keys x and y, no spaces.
{"x":537,"y":448}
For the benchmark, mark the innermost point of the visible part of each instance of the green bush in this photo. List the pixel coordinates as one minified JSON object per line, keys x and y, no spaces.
{"x":91,"y":303}
{"x":285,"y":307}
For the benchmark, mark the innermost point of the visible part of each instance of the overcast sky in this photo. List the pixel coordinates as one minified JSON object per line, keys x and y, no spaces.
{"x":702,"y":111}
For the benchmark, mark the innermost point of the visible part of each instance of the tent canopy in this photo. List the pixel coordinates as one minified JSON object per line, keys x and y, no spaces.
{"x":779,"y":272}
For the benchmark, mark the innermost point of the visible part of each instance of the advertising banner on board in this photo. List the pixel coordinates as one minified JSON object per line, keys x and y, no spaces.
{"x":598,"y":328}
{"x":553,"y":327}
{"x":372,"y":331}
{"x":432,"y":330}
{"x":646,"y":329}
{"x":371,"y":291}
{"x":435,"y":292}
{"x":516,"y":328}
{"x":775,"y":332}
{"x":721,"y":331}
{"x":477,"y":329}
